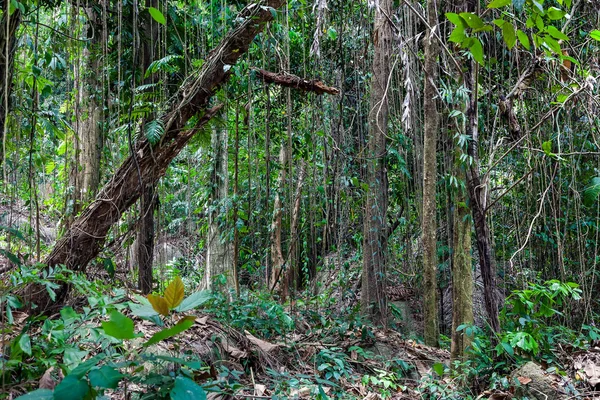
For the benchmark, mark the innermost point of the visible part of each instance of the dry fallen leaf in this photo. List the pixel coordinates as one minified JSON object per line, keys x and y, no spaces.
{"x":523,"y":380}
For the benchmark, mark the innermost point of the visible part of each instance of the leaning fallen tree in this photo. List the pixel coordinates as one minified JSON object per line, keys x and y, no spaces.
{"x":148,"y":162}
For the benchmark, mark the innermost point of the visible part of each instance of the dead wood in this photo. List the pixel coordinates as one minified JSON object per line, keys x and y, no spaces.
{"x":86,"y":237}
{"x":295,"y":82}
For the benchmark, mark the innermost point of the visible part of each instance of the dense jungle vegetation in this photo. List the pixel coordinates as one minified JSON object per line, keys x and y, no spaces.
{"x":303,"y":199}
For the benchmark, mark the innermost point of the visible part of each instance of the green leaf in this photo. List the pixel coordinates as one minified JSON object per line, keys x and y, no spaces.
{"x":499,"y":3}
{"x":458,"y":35}
{"x":455,"y":19}
{"x":472,"y":20}
{"x":552,"y":44}
{"x":194,"y":300}
{"x":71,"y":388}
{"x":25,"y":344}
{"x":552,"y":30}
{"x":187,"y":389}
{"x":595,"y":34}
{"x":438,"y":368}
{"x":40,"y":394}
{"x":524,"y":39}
{"x":182,"y":325}
{"x":590,"y":194}
{"x":508,"y":348}
{"x":508,"y":34}
{"x":555,"y":14}
{"x":547,"y":147}
{"x":157,"y":15}
{"x":119,"y":326}
{"x":105,"y":377}
{"x":142,"y":310}
{"x":477,"y":51}
{"x":154,"y":131}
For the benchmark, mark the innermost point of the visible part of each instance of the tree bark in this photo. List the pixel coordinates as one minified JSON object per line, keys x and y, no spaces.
{"x":478,"y":199}
{"x":219,"y":251}
{"x":277,"y":259}
{"x":85,"y":170}
{"x":429,"y":223}
{"x":8,"y":40}
{"x":86,"y":236}
{"x":375,"y":230}
{"x":145,"y":238}
{"x":462,"y":277}
{"x":149,"y":198}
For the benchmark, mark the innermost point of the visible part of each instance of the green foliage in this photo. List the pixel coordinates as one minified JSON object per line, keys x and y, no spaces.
{"x":528,"y":315}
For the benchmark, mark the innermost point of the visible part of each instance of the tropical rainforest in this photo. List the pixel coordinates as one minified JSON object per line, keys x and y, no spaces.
{"x":299,"y":199}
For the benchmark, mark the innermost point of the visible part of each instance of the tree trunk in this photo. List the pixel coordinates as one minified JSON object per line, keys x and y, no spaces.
{"x":145,"y":238}
{"x":219,"y":251}
{"x":8,"y":40}
{"x":277,"y":260}
{"x":375,"y":230}
{"x":478,"y":199}
{"x":86,"y":236}
{"x":429,"y":223}
{"x":149,"y":199}
{"x":462,"y":277}
{"x":85,"y":170}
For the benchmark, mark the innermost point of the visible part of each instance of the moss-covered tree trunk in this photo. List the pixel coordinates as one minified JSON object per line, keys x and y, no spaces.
{"x":429,"y":224}
{"x":462,"y":276}
{"x":375,"y":229}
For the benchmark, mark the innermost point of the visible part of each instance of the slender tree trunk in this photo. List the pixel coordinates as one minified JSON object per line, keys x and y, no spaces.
{"x":149,"y":198}
{"x":429,"y":224}
{"x":277,"y":259}
{"x":462,"y":276}
{"x":8,"y":40}
{"x":219,"y":250}
{"x":478,"y":200}
{"x":86,"y":236}
{"x":375,"y":230}
{"x":145,"y":238}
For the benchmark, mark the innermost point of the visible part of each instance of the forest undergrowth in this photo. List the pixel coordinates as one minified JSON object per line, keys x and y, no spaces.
{"x":110,"y":342}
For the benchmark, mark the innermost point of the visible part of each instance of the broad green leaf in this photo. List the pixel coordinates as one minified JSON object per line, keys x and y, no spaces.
{"x":182,"y":325}
{"x":595,"y":34}
{"x":25,"y":344}
{"x":159,"y":304}
{"x":106,"y":377}
{"x":119,"y":326}
{"x":477,"y":51}
{"x":524,"y":39}
{"x":458,"y":35}
{"x":499,"y":3}
{"x":142,"y":310}
{"x":194,"y":300}
{"x":40,"y":394}
{"x":552,"y":30}
{"x":174,"y":292}
{"x":187,"y":389}
{"x":508,"y":34}
{"x":508,"y":348}
{"x":157,"y":15}
{"x":154,"y":131}
{"x":455,"y":19}
{"x":438,"y":368}
{"x":555,"y":14}
{"x":71,"y":388}
{"x":472,"y":20}
{"x":590,"y":193}
{"x":552,"y":44}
